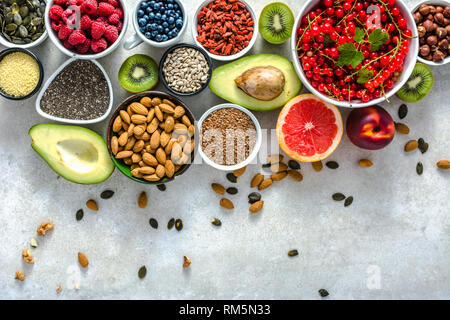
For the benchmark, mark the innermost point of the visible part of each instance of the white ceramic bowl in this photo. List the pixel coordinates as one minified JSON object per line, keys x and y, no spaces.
{"x":251,"y":156}
{"x":47,"y":83}
{"x":436,"y":3}
{"x":35,"y":43}
{"x":138,"y":37}
{"x":54,"y":37}
{"x":233,"y":56}
{"x":409,"y":63}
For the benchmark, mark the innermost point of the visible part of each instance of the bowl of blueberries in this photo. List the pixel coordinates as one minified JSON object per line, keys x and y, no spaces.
{"x":157,"y":23}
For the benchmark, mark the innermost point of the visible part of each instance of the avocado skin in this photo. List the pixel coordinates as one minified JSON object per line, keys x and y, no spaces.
{"x":223,"y":85}
{"x":107,"y":165}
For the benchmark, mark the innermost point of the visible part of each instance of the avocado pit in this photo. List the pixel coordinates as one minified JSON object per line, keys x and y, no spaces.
{"x":262,"y":83}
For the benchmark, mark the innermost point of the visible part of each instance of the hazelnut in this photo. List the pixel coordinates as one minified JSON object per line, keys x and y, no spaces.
{"x":439,"y":9}
{"x":446,"y":21}
{"x":421,"y":30}
{"x":428,"y":25}
{"x":431,"y":40}
{"x":430,"y":17}
{"x":424,"y":50}
{"x":424,"y":9}
{"x":443,"y":45}
{"x":447,"y":12}
{"x":435,"y":26}
{"x":441,"y":32}
{"x":439,"y":18}
{"x":429,"y":57}
{"x":438,"y":56}
{"x":422,"y":40}
{"x":417,"y":17}
{"x":432,"y":9}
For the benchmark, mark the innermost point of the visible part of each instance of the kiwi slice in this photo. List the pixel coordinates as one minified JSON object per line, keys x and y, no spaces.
{"x":276,"y":22}
{"x":138,"y":73}
{"x":418,"y":85}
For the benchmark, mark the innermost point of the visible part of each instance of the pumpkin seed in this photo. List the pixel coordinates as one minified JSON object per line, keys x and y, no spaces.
{"x":153,"y":223}
{"x":178,"y":224}
{"x":254,"y":197}
{"x":419,"y":168}
{"x":293,"y":164}
{"x":332,"y":164}
{"x":33,"y":243}
{"x":293,"y":253}
{"x":266,"y":165}
{"x":106,"y":194}
{"x":161,"y":187}
{"x":216,"y":222}
{"x":171,"y":223}
{"x":348,"y":201}
{"x":232,"y":190}
{"x":79,"y":215}
{"x":142,"y":272}
{"x":338,"y":196}
{"x":231,"y":177}
{"x":402,"y":111}
{"x":323,"y":293}
{"x":423,"y":146}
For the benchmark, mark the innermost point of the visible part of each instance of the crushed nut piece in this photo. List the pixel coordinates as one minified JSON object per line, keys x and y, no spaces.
{"x":43,"y":228}
{"x":187,"y":262}
{"x":58,"y":289}
{"x":19,"y":276}
{"x":27,"y":257}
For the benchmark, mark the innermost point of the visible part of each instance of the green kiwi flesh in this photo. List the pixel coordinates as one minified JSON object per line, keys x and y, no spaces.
{"x":138,"y":73}
{"x":276,"y":22}
{"x":418,"y":85}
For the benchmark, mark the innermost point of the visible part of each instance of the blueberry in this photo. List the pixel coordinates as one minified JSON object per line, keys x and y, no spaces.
{"x":142,"y":22}
{"x":164,"y":17}
{"x":175,"y":31}
{"x":170,"y":6}
{"x":179,"y":23}
{"x":164,"y":37}
{"x":154,"y":33}
{"x":154,"y":27}
{"x":140,"y":13}
{"x":158,"y":16}
{"x":156,"y":6}
{"x":142,"y":30}
{"x":151,"y":3}
{"x":151,"y":16}
{"x":166,"y":31}
{"x":158,"y":38}
{"x":175,"y":6}
{"x":171,"y":20}
{"x":165,"y":24}
{"x":148,"y":10}
{"x":148,"y":35}
{"x":144,"y":5}
{"x":160,"y":29}
{"x":169,"y":1}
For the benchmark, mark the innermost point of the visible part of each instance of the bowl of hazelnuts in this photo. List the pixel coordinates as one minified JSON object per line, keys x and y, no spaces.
{"x":433,"y":26}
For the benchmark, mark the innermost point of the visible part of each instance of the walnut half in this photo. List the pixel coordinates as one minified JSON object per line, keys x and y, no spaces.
{"x":44,"y":227}
{"x":27,"y":257}
{"x":19,"y":276}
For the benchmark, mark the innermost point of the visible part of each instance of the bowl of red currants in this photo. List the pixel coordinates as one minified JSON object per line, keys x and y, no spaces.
{"x":354,"y":53}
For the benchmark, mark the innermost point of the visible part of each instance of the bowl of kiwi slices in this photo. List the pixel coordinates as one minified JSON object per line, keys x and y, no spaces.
{"x":138,"y":73}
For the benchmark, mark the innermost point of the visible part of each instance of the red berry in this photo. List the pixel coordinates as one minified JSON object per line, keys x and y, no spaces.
{"x":105,"y":9}
{"x":114,"y":18}
{"x":99,"y":45}
{"x":64,"y":32}
{"x":77,"y":37}
{"x":97,"y":30}
{"x":339,"y":13}
{"x":85,"y":22}
{"x":111,"y":34}
{"x":114,"y":3}
{"x":55,"y":12}
{"x":56,"y":25}
{"x":83,"y":48}
{"x":346,"y":6}
{"x":327,"y":3}
{"x":395,"y":11}
{"x":89,"y":7}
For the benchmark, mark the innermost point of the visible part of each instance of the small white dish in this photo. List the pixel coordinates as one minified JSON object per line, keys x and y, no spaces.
{"x":435,"y":3}
{"x":73,"y":121}
{"x":139,"y":38}
{"x":233,"y":56}
{"x":255,"y":150}
{"x":53,"y":36}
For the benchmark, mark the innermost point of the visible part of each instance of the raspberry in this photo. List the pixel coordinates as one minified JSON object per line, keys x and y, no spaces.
{"x":61,"y":2}
{"x":68,"y":45}
{"x":56,"y":25}
{"x":83,"y":48}
{"x":111,"y":33}
{"x":97,"y":30}
{"x":64,"y":32}
{"x":119,"y":26}
{"x":85,"y":22}
{"x":114,"y":3}
{"x":77,"y":37}
{"x":55,"y":12}
{"x":119,"y":12}
{"x":105,"y":9}
{"x":102,"y":20}
{"x":89,"y":7}
{"x":114,"y":18}
{"x":99,"y":45}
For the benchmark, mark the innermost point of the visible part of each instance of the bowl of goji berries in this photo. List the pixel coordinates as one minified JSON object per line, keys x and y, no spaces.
{"x":86,"y":29}
{"x":354,"y":53}
{"x":225,"y":28}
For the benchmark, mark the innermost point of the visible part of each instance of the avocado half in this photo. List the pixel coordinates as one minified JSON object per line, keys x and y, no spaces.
{"x":222,"y":81}
{"x":75,"y":153}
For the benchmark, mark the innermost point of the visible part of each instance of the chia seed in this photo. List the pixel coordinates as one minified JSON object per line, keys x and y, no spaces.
{"x":79,"y":92}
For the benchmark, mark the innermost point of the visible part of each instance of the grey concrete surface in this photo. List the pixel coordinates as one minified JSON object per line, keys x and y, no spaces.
{"x":391,"y":243}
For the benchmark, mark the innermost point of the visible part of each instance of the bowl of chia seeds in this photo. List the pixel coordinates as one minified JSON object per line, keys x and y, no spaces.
{"x":230,"y":137}
{"x":79,"y":92}
{"x":185,"y":69}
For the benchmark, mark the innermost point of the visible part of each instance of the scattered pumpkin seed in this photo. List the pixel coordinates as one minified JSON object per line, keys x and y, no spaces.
{"x":231,"y":177}
{"x":293,"y":253}
{"x":142,"y":272}
{"x":401,"y":128}
{"x":323,"y":293}
{"x":294,"y":165}
{"x":332,"y":164}
{"x":218,"y":188}
{"x":161,"y":187}
{"x":419,"y":168}
{"x":348,"y":201}
{"x":92,"y":204}
{"x":232,"y":190}
{"x":338,"y":196}
{"x":79,"y":215}
{"x":178,"y":224}
{"x":423,"y":146}
{"x":254,"y":197}
{"x":216,"y":222}
{"x":153,"y":223}
{"x":33,"y":243}
{"x":239,"y":172}
{"x":171,"y":223}
{"x":106,"y":194}
{"x":317,"y":166}
{"x":266,"y":165}
{"x":402,"y":111}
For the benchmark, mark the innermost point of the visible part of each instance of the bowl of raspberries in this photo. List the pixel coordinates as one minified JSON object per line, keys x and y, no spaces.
{"x":86,"y":29}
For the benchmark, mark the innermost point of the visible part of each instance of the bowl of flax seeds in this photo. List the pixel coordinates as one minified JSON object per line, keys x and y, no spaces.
{"x":230,"y":137}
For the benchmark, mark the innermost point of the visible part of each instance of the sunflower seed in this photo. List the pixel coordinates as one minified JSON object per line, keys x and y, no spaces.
{"x":232,"y":190}
{"x":231,"y":177}
{"x":216,"y":222}
{"x":153,"y":223}
{"x":348,"y":201}
{"x":33,"y":243}
{"x":332,"y":164}
{"x":161,"y":187}
{"x":293,"y":164}
{"x":419,"y":168}
{"x":178,"y":224}
{"x":171,"y":223}
{"x":142,"y":272}
{"x":293,"y":253}
{"x":79,"y":215}
{"x":402,"y":111}
{"x":338,"y":196}
{"x":106,"y":194}
{"x":254,"y":197}
{"x":323,"y":293}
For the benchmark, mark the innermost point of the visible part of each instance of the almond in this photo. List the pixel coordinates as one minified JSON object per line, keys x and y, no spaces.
{"x":146,"y":101}
{"x":170,"y":168}
{"x":150,"y":160}
{"x":169,"y":124}
{"x":130,"y":143}
{"x":365,"y":163}
{"x":255,"y":207}
{"x":317,"y":166}
{"x":265,"y":184}
{"x":176,"y":152}
{"x":138,"y":119}
{"x":188,"y":147}
{"x":239,"y":172}
{"x":278,"y":167}
{"x":164,"y":139}
{"x":83,"y":260}
{"x":114,"y":145}
{"x":152,"y":178}
{"x":142,"y":200}
{"x":401,"y":128}
{"x":125,"y":117}
{"x":218,"y":188}
{"x":151,"y":114}
{"x":161,"y":156}
{"x":123,"y":139}
{"x":91,"y":204}
{"x":227,"y":204}
{"x":146,"y":170}
{"x":275,"y":158}
{"x":139,"y":130}
{"x":138,"y":108}
{"x":411,"y":145}
{"x":166,"y":108}
{"x":295,"y":175}
{"x":145,"y":136}
{"x":180,"y":128}
{"x":130,"y":130}
{"x":160,"y":171}
{"x":178,"y":112}
{"x":182,"y":160}
{"x":136,"y":158}
{"x":159,"y":114}
{"x":156,"y":102}
{"x":168,"y":148}
{"x":124,"y":154}
{"x":186,"y":121}
{"x":191,"y":130}
{"x":117,"y":124}
{"x":154,"y":140}
{"x":136,"y":173}
{"x":153,"y":126}
{"x":257,"y":179}
{"x":138,"y":146}
{"x":443,"y":164}
{"x":279,"y":176}
{"x":170,"y":103}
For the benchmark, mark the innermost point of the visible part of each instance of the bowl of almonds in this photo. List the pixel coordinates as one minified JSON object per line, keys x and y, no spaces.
{"x":151,"y":137}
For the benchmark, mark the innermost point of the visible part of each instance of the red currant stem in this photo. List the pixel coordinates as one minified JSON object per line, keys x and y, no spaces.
{"x":384,"y":93}
{"x":328,"y":57}
{"x":371,"y":61}
{"x":307,"y":27}
{"x":349,"y":98}
{"x":349,"y":12}
{"x":331,"y":93}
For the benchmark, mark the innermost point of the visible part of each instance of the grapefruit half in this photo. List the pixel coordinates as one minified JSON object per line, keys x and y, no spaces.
{"x":309,"y":129}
